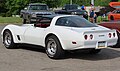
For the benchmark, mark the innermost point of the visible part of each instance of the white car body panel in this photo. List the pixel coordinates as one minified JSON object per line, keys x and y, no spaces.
{"x":66,"y":35}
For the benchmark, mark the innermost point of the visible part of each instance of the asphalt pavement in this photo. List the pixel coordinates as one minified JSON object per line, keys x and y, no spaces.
{"x":35,"y":59}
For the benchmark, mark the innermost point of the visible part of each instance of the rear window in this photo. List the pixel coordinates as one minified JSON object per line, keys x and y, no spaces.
{"x":74,"y":21}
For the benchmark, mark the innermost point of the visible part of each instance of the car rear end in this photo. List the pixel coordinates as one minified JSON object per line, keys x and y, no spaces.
{"x":100,"y":39}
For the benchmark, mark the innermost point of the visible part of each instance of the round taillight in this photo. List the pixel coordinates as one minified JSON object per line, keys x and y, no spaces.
{"x":110,"y":35}
{"x":91,"y":36}
{"x":85,"y":37}
{"x":114,"y":34}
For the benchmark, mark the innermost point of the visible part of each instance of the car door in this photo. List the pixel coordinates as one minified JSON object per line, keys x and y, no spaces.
{"x":35,"y":33}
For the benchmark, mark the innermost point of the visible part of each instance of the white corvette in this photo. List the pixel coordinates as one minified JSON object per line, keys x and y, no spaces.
{"x":58,"y":33}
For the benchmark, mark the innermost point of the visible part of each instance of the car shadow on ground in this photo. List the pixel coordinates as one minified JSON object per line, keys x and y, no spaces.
{"x":105,"y":54}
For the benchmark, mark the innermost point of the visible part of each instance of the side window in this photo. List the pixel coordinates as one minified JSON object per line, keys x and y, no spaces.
{"x":118,"y":11}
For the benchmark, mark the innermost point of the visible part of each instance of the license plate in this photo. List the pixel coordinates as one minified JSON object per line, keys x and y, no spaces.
{"x":101,"y":44}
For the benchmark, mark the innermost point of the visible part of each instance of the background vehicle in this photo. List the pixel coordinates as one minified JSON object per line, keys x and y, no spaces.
{"x":73,"y":9}
{"x":33,"y":11}
{"x":114,"y":15}
{"x":113,"y":25}
{"x":58,"y":33}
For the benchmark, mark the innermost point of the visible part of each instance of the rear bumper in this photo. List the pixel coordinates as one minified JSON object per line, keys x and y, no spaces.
{"x":93,"y":44}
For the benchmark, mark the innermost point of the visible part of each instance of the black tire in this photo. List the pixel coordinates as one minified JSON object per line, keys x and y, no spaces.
{"x":53,"y":48}
{"x":24,"y":21}
{"x":118,"y":41}
{"x":94,"y":51}
{"x":111,"y":18}
{"x":8,"y":40}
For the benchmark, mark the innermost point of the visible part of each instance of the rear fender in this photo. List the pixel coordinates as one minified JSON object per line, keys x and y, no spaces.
{"x":67,"y":37}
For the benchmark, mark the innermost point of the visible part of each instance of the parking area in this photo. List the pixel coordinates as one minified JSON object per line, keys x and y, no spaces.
{"x":35,"y":59}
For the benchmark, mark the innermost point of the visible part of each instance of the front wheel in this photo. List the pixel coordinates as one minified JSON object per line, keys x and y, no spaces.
{"x":53,"y":47}
{"x":8,"y":40}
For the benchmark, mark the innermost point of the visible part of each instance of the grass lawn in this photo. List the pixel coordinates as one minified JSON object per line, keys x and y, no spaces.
{"x":10,"y":20}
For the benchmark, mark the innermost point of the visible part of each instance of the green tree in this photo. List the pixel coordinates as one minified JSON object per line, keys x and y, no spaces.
{"x":63,"y":2}
{"x":11,"y":7}
{"x":53,"y":3}
{"x":50,"y":3}
{"x":82,"y":2}
{"x":2,"y":7}
{"x":102,"y":2}
{"x":14,"y":6}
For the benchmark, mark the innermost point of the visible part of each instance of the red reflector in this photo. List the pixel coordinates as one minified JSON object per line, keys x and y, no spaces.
{"x":91,"y":36}
{"x":110,"y":35}
{"x":85,"y":37}
{"x":74,"y":42}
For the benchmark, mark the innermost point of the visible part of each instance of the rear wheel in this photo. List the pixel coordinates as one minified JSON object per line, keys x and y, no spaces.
{"x":111,"y":18}
{"x":118,"y":41}
{"x":53,"y":47}
{"x":8,"y":40}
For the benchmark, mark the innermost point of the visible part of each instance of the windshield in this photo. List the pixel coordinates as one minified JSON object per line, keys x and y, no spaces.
{"x":116,"y":11}
{"x":74,"y":21}
{"x":117,"y":7}
{"x":38,"y":7}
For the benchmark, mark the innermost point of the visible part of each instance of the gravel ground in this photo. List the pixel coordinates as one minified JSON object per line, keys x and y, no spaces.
{"x":35,"y":59}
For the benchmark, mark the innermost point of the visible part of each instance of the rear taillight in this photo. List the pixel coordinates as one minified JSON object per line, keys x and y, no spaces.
{"x":91,"y":36}
{"x":110,"y":35}
{"x":85,"y":36}
{"x":88,"y":37}
{"x":114,"y":34}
